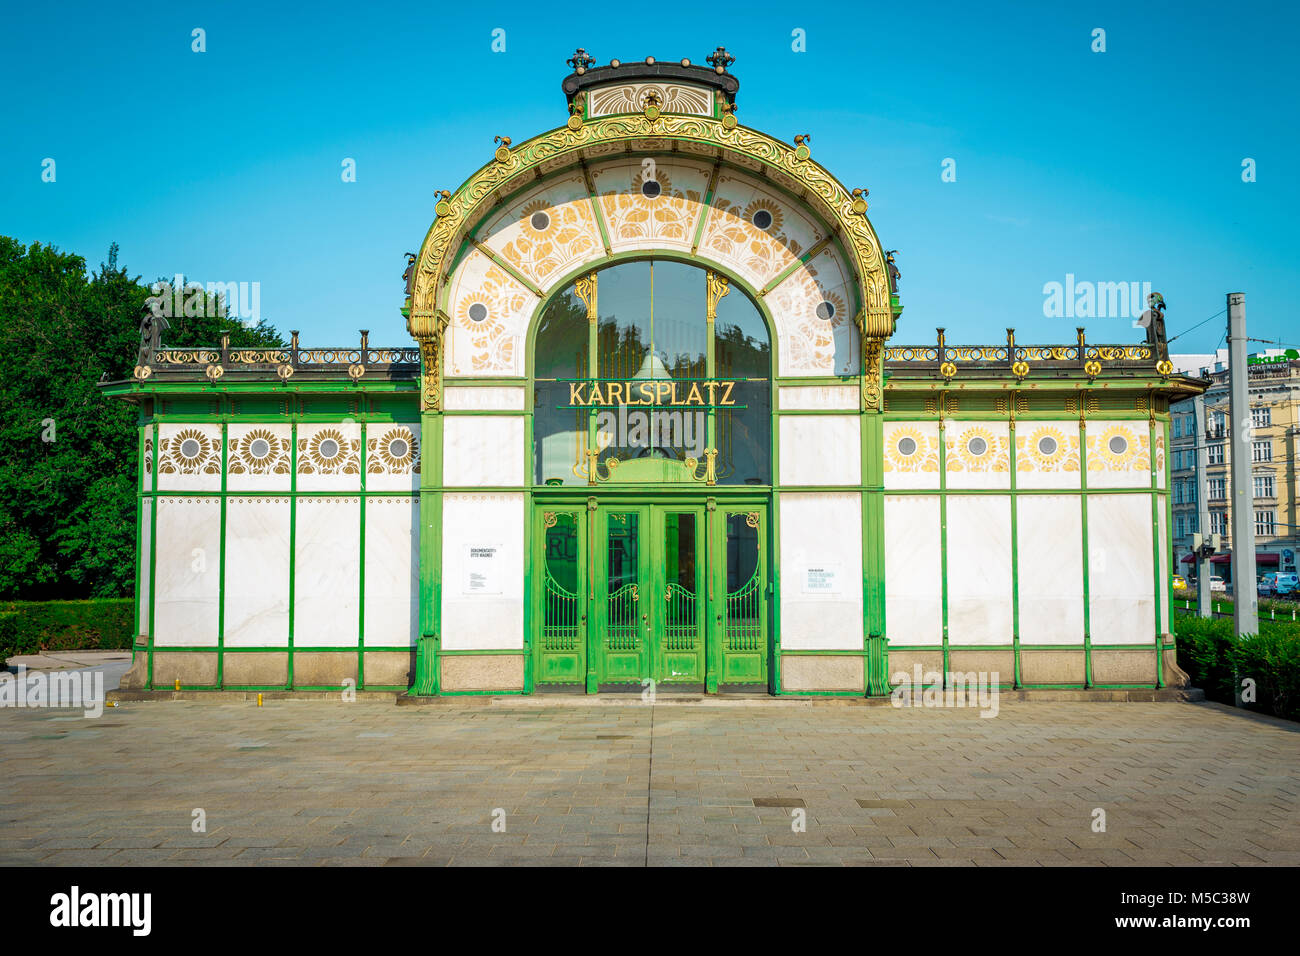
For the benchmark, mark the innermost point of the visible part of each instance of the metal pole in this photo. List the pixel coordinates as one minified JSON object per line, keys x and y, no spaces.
{"x":1202,"y":452}
{"x":1245,"y":604}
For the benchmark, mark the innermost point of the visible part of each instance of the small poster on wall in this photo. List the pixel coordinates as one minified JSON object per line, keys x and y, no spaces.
{"x":822,"y":579}
{"x":483,"y":569}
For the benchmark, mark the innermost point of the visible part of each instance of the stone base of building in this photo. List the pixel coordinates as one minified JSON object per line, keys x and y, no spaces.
{"x":481,"y":673}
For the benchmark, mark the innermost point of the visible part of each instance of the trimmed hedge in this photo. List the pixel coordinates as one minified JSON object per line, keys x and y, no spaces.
{"x":29,"y":627}
{"x":1218,"y":662}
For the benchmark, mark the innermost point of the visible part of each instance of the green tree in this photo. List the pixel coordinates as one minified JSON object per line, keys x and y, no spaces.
{"x":67,"y":453}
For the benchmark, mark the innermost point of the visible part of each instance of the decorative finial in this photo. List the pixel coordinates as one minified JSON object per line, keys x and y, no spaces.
{"x":580,"y":61}
{"x":802,"y":138}
{"x":860,"y":200}
{"x":894,"y":274}
{"x":720,"y":59}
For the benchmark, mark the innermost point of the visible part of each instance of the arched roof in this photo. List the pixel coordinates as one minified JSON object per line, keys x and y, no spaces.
{"x":649,"y":133}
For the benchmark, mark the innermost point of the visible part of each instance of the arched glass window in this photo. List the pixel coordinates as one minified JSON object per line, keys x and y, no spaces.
{"x":628,"y":365}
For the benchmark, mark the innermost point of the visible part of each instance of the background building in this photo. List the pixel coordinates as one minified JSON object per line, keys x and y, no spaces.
{"x":1274,"y":421}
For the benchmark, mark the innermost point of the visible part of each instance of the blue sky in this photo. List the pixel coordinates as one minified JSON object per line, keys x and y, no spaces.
{"x":1122,"y":166}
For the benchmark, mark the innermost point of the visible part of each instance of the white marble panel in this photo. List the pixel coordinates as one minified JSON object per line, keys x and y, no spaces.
{"x":638,"y":217}
{"x":327,"y":572}
{"x":257,"y":572}
{"x":1049,"y":568}
{"x":817,"y":397}
{"x":329,"y":456}
{"x":187,"y":572}
{"x":485,"y":611}
{"x":486,"y":398}
{"x":913,"y":571}
{"x":547,"y":231}
{"x":911,"y":455}
{"x":394,"y":456}
{"x":189,"y":457}
{"x":821,"y":571}
{"x":978,"y":456}
{"x":260,"y":457}
{"x":979,"y":569}
{"x":1163,"y":548}
{"x":392,"y":609}
{"x":1121,"y":588}
{"x":820,"y":450}
{"x":143,"y":575}
{"x":489,"y":311}
{"x":482,"y":450}
{"x":1047,"y":454}
{"x":1119,"y":454}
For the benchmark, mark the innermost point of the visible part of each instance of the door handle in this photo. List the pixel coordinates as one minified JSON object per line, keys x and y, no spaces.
{"x":668,"y":594}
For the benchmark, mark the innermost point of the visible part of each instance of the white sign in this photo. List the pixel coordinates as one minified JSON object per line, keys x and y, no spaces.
{"x":483,"y":569}
{"x":822,"y":579}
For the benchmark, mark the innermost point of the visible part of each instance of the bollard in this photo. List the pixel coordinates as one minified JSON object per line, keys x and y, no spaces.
{"x":259,"y":700}
{"x":178,"y":683}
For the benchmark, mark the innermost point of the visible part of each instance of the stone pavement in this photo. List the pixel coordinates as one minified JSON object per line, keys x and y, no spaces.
{"x":307,"y":782}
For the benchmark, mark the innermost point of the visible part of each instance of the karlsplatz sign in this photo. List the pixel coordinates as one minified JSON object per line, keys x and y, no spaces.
{"x":661,"y":393}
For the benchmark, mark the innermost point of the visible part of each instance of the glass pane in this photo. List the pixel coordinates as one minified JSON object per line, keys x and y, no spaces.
{"x":623,"y":598}
{"x":679,"y":328}
{"x":745,"y":436}
{"x":560,"y":431}
{"x":623,"y":335}
{"x":742,"y":551}
{"x":744,"y":623}
{"x":560,"y":595}
{"x":679,"y":550}
{"x":562,"y":551}
{"x":622,"y":550}
{"x":743,"y":348}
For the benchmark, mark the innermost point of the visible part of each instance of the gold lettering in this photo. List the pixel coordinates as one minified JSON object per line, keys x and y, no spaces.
{"x":726,"y":396}
{"x":713,"y":392}
{"x":612,"y":390}
{"x":575,"y":393}
{"x":674,"y":400}
{"x":695,"y":398}
{"x":647,"y":393}
{"x":661,"y":392}
{"x":596,"y":397}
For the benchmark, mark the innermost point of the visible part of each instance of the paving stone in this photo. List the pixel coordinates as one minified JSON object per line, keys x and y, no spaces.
{"x":370,"y":784}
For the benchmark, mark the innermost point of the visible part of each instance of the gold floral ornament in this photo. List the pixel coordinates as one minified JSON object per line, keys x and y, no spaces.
{"x":503,"y":151}
{"x":396,"y":452}
{"x":259,"y":452}
{"x":908,"y":449}
{"x":189,"y":452}
{"x":1047,"y":448}
{"x":1165,"y":368}
{"x":1020,"y":369}
{"x":1118,"y":448}
{"x":1092,"y":367}
{"x":948,"y":370}
{"x":328,"y":453}
{"x":978,"y":450}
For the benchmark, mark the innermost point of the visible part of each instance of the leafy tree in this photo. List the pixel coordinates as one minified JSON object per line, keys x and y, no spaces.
{"x":68,"y":461}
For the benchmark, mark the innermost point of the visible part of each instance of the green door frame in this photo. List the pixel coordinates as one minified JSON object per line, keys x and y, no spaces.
{"x":554,"y":664}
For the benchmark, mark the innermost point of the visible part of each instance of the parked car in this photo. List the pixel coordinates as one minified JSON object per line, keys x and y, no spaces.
{"x":1180,"y":583}
{"x":1267,"y":586}
{"x":1285,"y":583}
{"x":1217,"y":584}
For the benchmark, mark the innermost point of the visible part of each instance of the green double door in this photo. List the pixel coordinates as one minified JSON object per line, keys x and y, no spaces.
{"x":669,"y":593}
